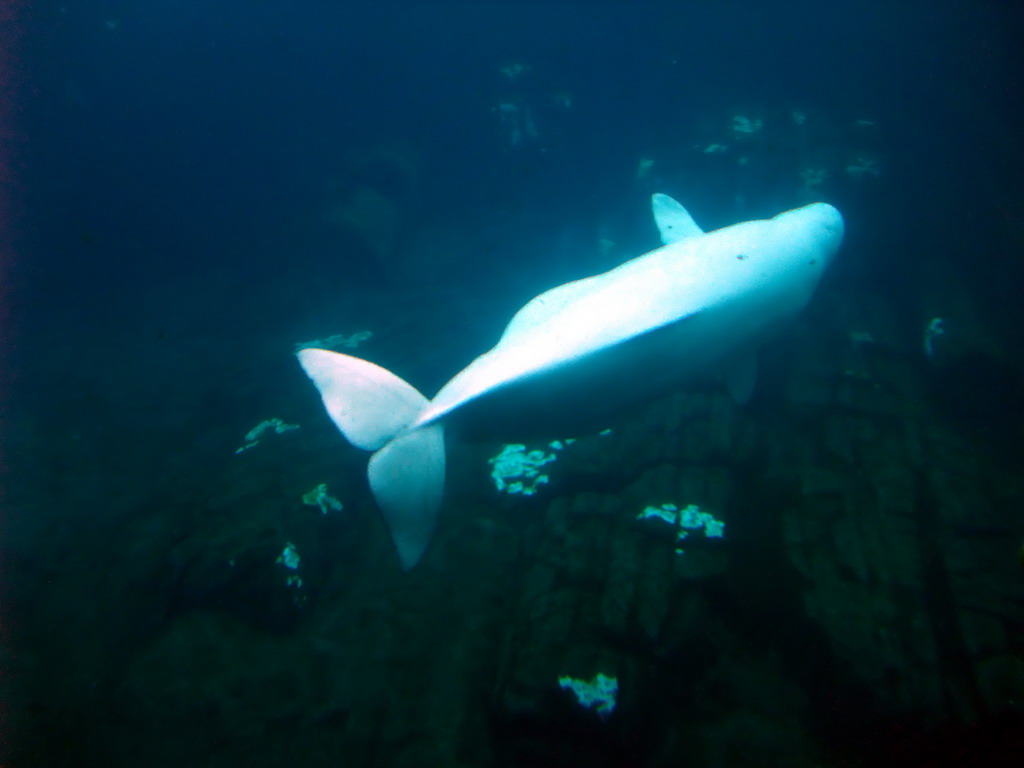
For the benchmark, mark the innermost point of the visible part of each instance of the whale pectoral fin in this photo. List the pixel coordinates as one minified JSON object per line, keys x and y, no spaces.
{"x":407,"y":479}
{"x":740,"y":377}
{"x":673,"y":220}
{"x":369,"y":404}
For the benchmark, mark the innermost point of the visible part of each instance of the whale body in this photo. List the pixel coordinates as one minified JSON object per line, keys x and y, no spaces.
{"x":577,"y":351}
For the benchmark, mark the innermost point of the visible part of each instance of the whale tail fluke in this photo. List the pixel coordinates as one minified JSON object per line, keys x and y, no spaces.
{"x":407,"y":479}
{"x":372,"y":408}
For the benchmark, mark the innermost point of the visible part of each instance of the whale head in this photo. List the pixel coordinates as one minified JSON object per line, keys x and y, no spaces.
{"x":818,"y":228}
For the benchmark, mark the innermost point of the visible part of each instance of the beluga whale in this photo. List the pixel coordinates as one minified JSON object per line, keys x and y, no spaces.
{"x":701,"y":302}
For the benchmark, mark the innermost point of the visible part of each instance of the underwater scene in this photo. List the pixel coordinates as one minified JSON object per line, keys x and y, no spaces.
{"x":506,"y":384}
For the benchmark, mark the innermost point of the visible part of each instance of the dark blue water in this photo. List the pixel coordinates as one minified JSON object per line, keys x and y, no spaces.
{"x":192,"y":189}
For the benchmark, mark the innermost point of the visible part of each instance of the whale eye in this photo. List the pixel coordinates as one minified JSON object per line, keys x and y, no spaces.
{"x":813,"y":262}
{"x":741,"y":256}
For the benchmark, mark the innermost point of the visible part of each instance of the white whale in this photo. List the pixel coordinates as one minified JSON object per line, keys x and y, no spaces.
{"x":576,"y":352}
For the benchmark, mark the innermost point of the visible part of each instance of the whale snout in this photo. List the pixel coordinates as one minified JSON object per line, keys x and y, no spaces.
{"x":826,"y":223}
{"x":821,"y":226}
